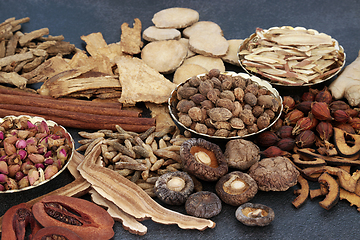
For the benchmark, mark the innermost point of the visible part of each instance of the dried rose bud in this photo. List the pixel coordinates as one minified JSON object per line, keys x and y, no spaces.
{"x":31,"y":141}
{"x":1,"y":135}
{"x":39,"y":165}
{"x":13,"y":169}
{"x":4,"y":158}
{"x":321,"y":111}
{"x":36,"y":158}
{"x":57,"y":163}
{"x":24,"y":182}
{"x":33,"y":176}
{"x":48,"y":161}
{"x":292,"y":117}
{"x":3,"y":178}
{"x":9,"y":148}
{"x":325,"y":130}
{"x":301,"y":125}
{"x":50,"y":171}
{"x":41,"y":149}
{"x":43,"y":127}
{"x":31,"y":125}
{"x":4,"y":167}
{"x":2,"y":188}
{"x":55,"y":142}
{"x":61,"y":154}
{"x":22,"y":154}
{"x":305,"y":139}
{"x":19,"y":175}
{"x":47,"y":154}
{"x":20,"y":144}
{"x":324,"y":96}
{"x":11,"y":184}
{"x":341,"y":116}
{"x":31,"y":149}
{"x":26,"y":166}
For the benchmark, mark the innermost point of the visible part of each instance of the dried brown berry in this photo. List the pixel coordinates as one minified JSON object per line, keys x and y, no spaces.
{"x":321,"y":111}
{"x":292,"y":117}
{"x":301,"y":125}
{"x":305,"y":139}
{"x":286,"y":144}
{"x":325,"y":130}
{"x":324,"y":96}
{"x":288,"y":104}
{"x":341,"y":116}
{"x":267,"y":139}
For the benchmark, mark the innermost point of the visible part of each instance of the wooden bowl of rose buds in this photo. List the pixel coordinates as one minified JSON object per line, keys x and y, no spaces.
{"x":33,"y":151}
{"x":224,"y":105}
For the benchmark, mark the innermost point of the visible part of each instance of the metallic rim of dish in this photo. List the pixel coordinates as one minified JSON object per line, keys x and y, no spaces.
{"x":246,"y":41}
{"x":256,"y":79}
{"x":34,"y":119}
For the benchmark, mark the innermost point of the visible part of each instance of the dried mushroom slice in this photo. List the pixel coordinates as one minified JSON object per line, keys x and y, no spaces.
{"x":175,"y":18}
{"x":203,"y":159}
{"x":241,"y":154}
{"x":252,"y":214}
{"x":274,"y":174}
{"x":203,"y":204}
{"x":236,"y":188}
{"x":174,"y":188}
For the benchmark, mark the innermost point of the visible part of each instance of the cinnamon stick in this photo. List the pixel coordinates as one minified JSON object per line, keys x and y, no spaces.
{"x":71,"y":123}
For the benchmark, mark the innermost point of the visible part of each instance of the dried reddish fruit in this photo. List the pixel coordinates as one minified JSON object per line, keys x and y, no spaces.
{"x":352,"y":112}
{"x":286,"y":144}
{"x":346,"y":127}
{"x":274,"y":151}
{"x":338,"y":105}
{"x":305,"y":139}
{"x":302,"y":124}
{"x":288,"y":104}
{"x":325,"y":130}
{"x":341,"y":116}
{"x":285,"y":132}
{"x":314,"y":121}
{"x":321,"y":111}
{"x":292,"y":117}
{"x":305,"y":106}
{"x":308,"y":96}
{"x":355,"y":123}
{"x":324,"y":96}
{"x":85,"y":218}
{"x":267,"y":138}
{"x":56,"y":233}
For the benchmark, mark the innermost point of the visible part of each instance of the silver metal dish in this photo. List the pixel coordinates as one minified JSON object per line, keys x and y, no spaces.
{"x":172,"y":101}
{"x":50,"y":123}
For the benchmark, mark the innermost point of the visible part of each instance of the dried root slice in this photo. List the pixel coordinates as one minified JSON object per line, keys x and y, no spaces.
{"x":334,"y":191}
{"x":316,"y":162}
{"x":164,"y":56}
{"x":352,"y":198}
{"x":153,"y":33}
{"x":129,"y":223}
{"x":231,"y":56}
{"x":131,"y":38}
{"x":175,"y":18}
{"x":332,"y":160}
{"x":202,"y":27}
{"x":131,"y":198}
{"x":302,"y":193}
{"x":185,"y":41}
{"x":186,"y":71}
{"x":343,"y":148}
{"x":206,"y":62}
{"x":210,"y":44}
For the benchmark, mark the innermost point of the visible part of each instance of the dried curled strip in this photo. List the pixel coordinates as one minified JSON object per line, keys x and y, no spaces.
{"x":131,"y":198}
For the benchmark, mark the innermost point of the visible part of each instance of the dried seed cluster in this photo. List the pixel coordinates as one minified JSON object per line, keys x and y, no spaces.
{"x":223,"y":105}
{"x":141,"y":158}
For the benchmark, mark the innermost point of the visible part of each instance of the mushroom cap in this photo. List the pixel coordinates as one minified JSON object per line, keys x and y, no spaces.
{"x":253,"y":214}
{"x":274,"y":174}
{"x":174,"y":188}
{"x":241,"y":154}
{"x":203,"y":204}
{"x":213,"y":170}
{"x":236,"y":188}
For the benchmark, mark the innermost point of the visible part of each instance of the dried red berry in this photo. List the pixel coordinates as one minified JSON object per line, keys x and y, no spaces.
{"x":305,"y":106}
{"x":274,"y":151}
{"x":286,"y":144}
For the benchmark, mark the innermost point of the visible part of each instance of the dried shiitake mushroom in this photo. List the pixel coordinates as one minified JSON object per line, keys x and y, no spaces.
{"x":236,"y":188}
{"x":253,"y":214}
{"x":203,"y":204}
{"x":241,"y":154}
{"x":203,"y":159}
{"x":274,"y":174}
{"x":174,"y":187}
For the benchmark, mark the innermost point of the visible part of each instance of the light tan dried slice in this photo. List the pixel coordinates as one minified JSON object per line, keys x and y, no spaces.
{"x":153,"y":33}
{"x":131,"y":198}
{"x":186,"y":71}
{"x":131,"y":38}
{"x":210,"y":44}
{"x":16,"y":58}
{"x":129,"y":223}
{"x":164,"y":56}
{"x":161,"y":114}
{"x":13,"y":78}
{"x":302,"y":39}
{"x":231,"y":56}
{"x":175,"y":17}
{"x":202,"y":27}
{"x":185,"y":41}
{"x":146,"y":85}
{"x":206,"y":62}
{"x":27,"y":37}
{"x":352,"y":198}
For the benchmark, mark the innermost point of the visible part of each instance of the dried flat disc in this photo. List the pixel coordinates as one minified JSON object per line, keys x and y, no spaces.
{"x":175,"y":18}
{"x":211,"y":44}
{"x":153,"y":33}
{"x":164,"y":56}
{"x":186,"y":71}
{"x":232,"y":56}
{"x":206,"y":62}
{"x":185,"y":41}
{"x":202,"y":27}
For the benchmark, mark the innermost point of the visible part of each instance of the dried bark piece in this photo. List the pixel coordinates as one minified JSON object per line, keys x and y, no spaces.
{"x":16,"y":58}
{"x":60,"y":47}
{"x":153,"y":33}
{"x":206,"y":62}
{"x":12,"y":43}
{"x":210,"y":44}
{"x":232,"y":56}
{"x":161,"y":114}
{"x":13,"y":78}
{"x":2,"y":48}
{"x":131,"y":38}
{"x":186,"y":71}
{"x":164,"y":56}
{"x":27,"y":37}
{"x":131,"y":198}
{"x":146,"y":85}
{"x":175,"y":17}
{"x":202,"y":27}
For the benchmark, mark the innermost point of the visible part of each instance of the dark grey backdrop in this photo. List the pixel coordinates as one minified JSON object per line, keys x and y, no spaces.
{"x":238,"y":19}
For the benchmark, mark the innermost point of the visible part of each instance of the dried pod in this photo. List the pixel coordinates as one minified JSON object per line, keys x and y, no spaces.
{"x":324,"y":96}
{"x":274,"y":151}
{"x":213,"y":95}
{"x":288,"y":104}
{"x":197,"y":98}
{"x":253,"y":128}
{"x":225,"y":103}
{"x":196,"y":114}
{"x":341,"y":116}
{"x":338,"y":105}
{"x":247,"y":117}
{"x":267,"y":139}
{"x":285,"y":131}
{"x":184,"y":105}
{"x":239,"y":94}
{"x":305,"y":139}
{"x":305,"y":106}
{"x":325,"y":130}
{"x":321,"y":111}
{"x":286,"y":144}
{"x":86,"y":219}
{"x":257,"y":111}
{"x":308,"y":96}
{"x":292,"y":117}
{"x":205,"y":87}
{"x":265,"y":101}
{"x":302,"y":124}
{"x":219,"y":114}
{"x":355,"y":123}
{"x":214,"y":73}
{"x":227,"y":94}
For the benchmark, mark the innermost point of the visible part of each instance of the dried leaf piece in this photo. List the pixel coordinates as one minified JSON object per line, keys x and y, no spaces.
{"x":146,"y":85}
{"x":153,"y":33}
{"x":131,"y":38}
{"x":175,"y":17}
{"x":164,"y":56}
{"x":210,"y":44}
